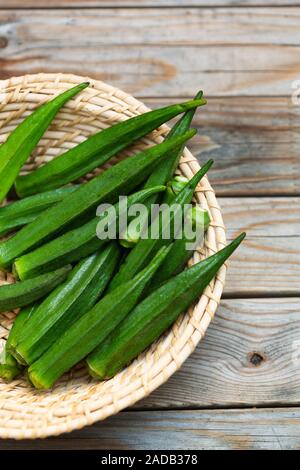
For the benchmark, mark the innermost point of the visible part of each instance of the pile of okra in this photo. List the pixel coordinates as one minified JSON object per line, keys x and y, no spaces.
{"x":84,"y":297}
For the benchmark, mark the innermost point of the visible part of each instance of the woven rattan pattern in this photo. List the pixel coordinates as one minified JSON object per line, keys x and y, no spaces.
{"x":77,"y":400}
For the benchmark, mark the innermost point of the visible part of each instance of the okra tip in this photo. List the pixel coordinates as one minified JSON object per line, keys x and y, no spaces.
{"x":9,"y":373}
{"x":207,"y":165}
{"x":199,"y":175}
{"x":189,"y":134}
{"x":199,"y":102}
{"x":234,"y":244}
{"x":81,"y":86}
{"x":33,"y":380}
{"x":199,"y":95}
{"x":239,"y":238}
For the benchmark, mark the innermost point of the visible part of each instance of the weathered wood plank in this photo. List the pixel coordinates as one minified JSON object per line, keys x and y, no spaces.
{"x":255,"y":143}
{"x":138,"y":3}
{"x":268,"y":261}
{"x":249,"y":357}
{"x":187,"y":27}
{"x":163,"y":53}
{"x":265,"y":217}
{"x":189,"y":430}
{"x":265,"y":266}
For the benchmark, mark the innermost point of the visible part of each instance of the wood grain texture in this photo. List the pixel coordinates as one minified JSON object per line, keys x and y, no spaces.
{"x":262,"y":217}
{"x":203,"y":25}
{"x":166,"y":53}
{"x":265,"y":267}
{"x":190,"y":430}
{"x":138,"y":3}
{"x":254,"y":141}
{"x":250,"y":356}
{"x":268,"y":261}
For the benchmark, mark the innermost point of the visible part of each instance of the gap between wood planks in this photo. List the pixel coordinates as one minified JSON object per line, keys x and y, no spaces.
{"x":212,"y":429}
{"x":257,"y":406}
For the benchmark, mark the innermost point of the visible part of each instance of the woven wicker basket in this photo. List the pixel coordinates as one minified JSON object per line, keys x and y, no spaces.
{"x":77,"y":400}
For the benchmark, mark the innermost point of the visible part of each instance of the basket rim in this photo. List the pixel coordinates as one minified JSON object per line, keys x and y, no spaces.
{"x":166,"y":355}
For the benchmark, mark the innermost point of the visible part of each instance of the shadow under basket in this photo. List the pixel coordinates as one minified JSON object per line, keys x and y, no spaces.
{"x":78,"y":400}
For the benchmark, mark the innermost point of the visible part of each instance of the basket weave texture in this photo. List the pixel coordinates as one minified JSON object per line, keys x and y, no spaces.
{"x":77,"y":400}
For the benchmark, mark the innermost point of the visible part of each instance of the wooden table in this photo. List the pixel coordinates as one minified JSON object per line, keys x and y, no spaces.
{"x":241,"y":388}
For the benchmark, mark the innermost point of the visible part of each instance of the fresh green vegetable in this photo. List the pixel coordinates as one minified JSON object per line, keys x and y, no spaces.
{"x":154,"y":315}
{"x":19,"y":213}
{"x":24,"y":138}
{"x":174,"y":187}
{"x":18,"y":326}
{"x":182,"y":248}
{"x":66,"y":304}
{"x":97,"y":149}
{"x":161,"y":175}
{"x":26,"y":292}
{"x":147,"y":246}
{"x":76,"y":243}
{"x":119,"y":179}
{"x":9,"y":367}
{"x":136,"y":226}
{"x":91,"y":329}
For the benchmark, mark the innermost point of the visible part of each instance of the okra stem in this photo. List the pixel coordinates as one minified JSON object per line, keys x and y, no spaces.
{"x":9,"y":367}
{"x":174,"y":187}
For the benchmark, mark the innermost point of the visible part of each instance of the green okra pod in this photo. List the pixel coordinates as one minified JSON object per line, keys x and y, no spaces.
{"x":24,"y":138}
{"x":133,"y":231}
{"x":91,"y":329}
{"x":97,"y":149}
{"x":77,"y":243}
{"x":26,"y":292}
{"x":147,"y":247}
{"x":154,"y":315}
{"x":182,"y":248}
{"x":22,"y":212}
{"x":18,"y":326}
{"x":9,"y":367}
{"x":66,"y":304}
{"x":161,"y":175}
{"x":174,"y":187}
{"x":119,"y":179}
